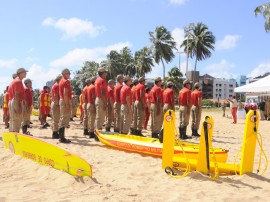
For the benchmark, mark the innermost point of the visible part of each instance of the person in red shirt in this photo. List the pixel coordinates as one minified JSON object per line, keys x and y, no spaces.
{"x":91,"y":109}
{"x":196,"y":110}
{"x":133,"y":99}
{"x":85,"y":113}
{"x":168,"y":97}
{"x":126,"y":111}
{"x":147,"y":108}
{"x":81,"y":107}
{"x":6,"y":116}
{"x":101,"y":97}
{"x":27,"y":105}
{"x":110,"y":102}
{"x":43,"y":106}
{"x":16,"y":98}
{"x":55,"y":108}
{"x":156,"y":108}
{"x":184,"y":99}
{"x":117,"y":103}
{"x":65,"y":104}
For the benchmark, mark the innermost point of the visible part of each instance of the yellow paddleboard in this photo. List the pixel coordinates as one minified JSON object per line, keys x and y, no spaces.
{"x":46,"y":154}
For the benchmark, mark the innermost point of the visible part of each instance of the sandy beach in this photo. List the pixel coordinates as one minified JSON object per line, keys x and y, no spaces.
{"x":125,"y":176}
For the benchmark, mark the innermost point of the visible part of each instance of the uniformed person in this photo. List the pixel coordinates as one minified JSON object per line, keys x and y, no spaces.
{"x":196,"y":110}
{"x":91,"y":109}
{"x":126,"y":111}
{"x":85,"y":113}
{"x":55,"y":108}
{"x":43,"y":106}
{"x":267,"y":109}
{"x":147,"y":108}
{"x":156,"y":108}
{"x":184,"y":99}
{"x":133,"y":99}
{"x":6,"y":116}
{"x":27,"y":106}
{"x":65,"y":104}
{"x":74,"y":105}
{"x":139,"y":107}
{"x":16,"y":97}
{"x":110,"y":103}
{"x":81,"y":107}
{"x":101,"y":97}
{"x":117,"y":103}
{"x":168,"y":97}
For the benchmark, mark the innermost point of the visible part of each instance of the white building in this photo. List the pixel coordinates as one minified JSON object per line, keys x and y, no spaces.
{"x":223,"y":88}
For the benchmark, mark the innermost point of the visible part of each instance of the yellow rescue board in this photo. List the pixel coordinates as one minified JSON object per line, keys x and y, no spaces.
{"x":46,"y":154}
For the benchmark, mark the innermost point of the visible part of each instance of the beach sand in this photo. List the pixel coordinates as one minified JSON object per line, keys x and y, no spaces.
{"x":126,"y":176}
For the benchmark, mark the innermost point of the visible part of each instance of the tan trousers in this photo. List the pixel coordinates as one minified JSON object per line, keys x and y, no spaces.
{"x":85,"y":116}
{"x":26,"y":115}
{"x":117,"y":115}
{"x":64,"y":114}
{"x":166,"y":107}
{"x":15,"y":118}
{"x":55,"y":112}
{"x":73,"y":111}
{"x":91,"y":117}
{"x":184,"y":114}
{"x":125,"y":118}
{"x":109,"y":116}
{"x":196,"y":113}
{"x":138,"y":115}
{"x":100,"y":116}
{"x":156,"y":119}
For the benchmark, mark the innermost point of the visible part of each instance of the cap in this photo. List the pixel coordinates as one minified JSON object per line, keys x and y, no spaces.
{"x":187,"y":81}
{"x":27,"y":80}
{"x":58,"y":78}
{"x":158,"y":79}
{"x":197,"y":84}
{"x":141,"y":79}
{"x":65,"y":71}
{"x":162,"y":83}
{"x":127,"y":78}
{"x":119,"y":76}
{"x":170,"y":83}
{"x":87,"y":81}
{"x":102,"y":69}
{"x":111,"y":81}
{"x":135,"y":81}
{"x":14,"y":75}
{"x":93,"y":79}
{"x":21,"y":70}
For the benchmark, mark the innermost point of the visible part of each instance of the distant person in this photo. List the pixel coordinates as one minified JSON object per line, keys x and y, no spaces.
{"x":262,"y":109}
{"x":117,"y":103}
{"x":147,"y":108}
{"x":196,"y":109}
{"x":85,"y":113}
{"x":6,"y":116}
{"x":168,"y":97}
{"x":223,"y":107}
{"x":27,"y":106}
{"x":110,"y":103}
{"x":74,"y":105}
{"x":43,"y":106}
{"x":133,"y":99}
{"x":233,"y":106}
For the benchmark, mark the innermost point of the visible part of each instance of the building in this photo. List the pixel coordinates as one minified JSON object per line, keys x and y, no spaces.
{"x":193,"y":76}
{"x":206,"y":82}
{"x":223,"y":88}
{"x":241,"y":80}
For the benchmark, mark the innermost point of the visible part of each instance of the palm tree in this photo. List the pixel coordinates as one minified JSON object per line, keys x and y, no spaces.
{"x":163,"y":45}
{"x":113,"y":64}
{"x":265,"y":10}
{"x":175,"y":76}
{"x":200,"y":43}
{"x":143,"y":62}
{"x":127,"y":62}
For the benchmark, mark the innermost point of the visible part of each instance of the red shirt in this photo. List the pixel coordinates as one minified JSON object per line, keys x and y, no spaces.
{"x":195,"y":95}
{"x":124,"y":93}
{"x":28,"y":96}
{"x":91,"y":94}
{"x":133,"y":97}
{"x":84,"y":93}
{"x":155,"y":93}
{"x":43,"y":99}
{"x":117,"y":90}
{"x":168,"y":96}
{"x":110,"y":94}
{"x":55,"y":91}
{"x":64,"y":83}
{"x":184,"y":96}
{"x":16,"y":86}
{"x":101,"y":87}
{"x":140,"y":87}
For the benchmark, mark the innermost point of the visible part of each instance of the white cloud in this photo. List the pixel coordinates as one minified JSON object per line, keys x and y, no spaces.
{"x":178,"y":35}
{"x":229,"y":41}
{"x":260,"y":70}
{"x":178,"y":2}
{"x":4,"y":82}
{"x":78,"y":56}
{"x":73,"y":27}
{"x":8,"y":63}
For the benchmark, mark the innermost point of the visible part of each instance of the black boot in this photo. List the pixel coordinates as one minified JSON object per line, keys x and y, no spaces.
{"x":195,"y":133}
{"x":55,"y":135}
{"x":91,"y":135}
{"x":132,"y":131}
{"x":62,"y":138}
{"x":95,"y":137}
{"x":154,"y":135}
{"x":116,"y":130}
{"x":180,"y":133}
{"x":108,"y":129}
{"x":24,"y":130}
{"x":184,"y":137}
{"x":139,"y":133}
{"x":85,"y":132}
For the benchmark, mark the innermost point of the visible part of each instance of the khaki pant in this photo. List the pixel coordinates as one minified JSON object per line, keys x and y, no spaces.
{"x":196,"y":113}
{"x":109,"y":116}
{"x":156,"y":119}
{"x":100,"y":116}
{"x":184,"y":114}
{"x":85,"y":116}
{"x":132,"y":117}
{"x":91,"y":117}
{"x":73,"y":111}
{"x":55,"y":112}
{"x":166,"y":107}
{"x":15,"y":118}
{"x":64,"y":114}
{"x":125,"y":118}
{"x":26,"y":114}
{"x":117,"y":115}
{"x":138,"y":115}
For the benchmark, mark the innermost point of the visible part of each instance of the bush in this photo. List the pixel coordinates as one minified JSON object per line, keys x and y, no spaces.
{"x":207,"y":103}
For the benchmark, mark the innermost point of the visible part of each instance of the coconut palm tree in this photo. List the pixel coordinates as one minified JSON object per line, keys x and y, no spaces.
{"x":127,"y":62}
{"x":143,"y":61}
{"x":265,"y":10}
{"x":200,"y":43}
{"x":113,"y":64}
{"x":162,"y":46}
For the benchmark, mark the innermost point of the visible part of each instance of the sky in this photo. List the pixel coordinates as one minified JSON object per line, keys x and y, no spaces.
{"x":45,"y":37}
